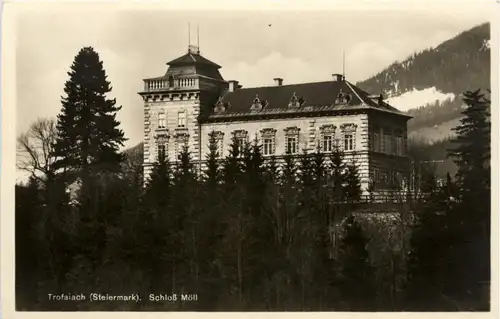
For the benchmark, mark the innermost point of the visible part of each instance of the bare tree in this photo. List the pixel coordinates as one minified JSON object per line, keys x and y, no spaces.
{"x":34,"y":149}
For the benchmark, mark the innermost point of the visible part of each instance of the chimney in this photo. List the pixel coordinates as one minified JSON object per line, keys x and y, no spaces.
{"x":380,"y":99}
{"x":278,"y":81}
{"x":233,"y":85}
{"x":338,"y":77}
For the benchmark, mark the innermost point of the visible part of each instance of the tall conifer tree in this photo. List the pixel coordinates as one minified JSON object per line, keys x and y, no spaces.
{"x":356,"y":280}
{"x":88,"y":134}
{"x":470,"y":222}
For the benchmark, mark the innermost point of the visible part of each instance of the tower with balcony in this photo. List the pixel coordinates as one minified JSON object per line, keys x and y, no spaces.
{"x":173,"y":104}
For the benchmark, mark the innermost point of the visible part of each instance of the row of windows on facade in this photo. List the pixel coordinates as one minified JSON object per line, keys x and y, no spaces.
{"x":387,"y":177}
{"x":181,"y":119}
{"x":392,"y":145}
{"x":384,"y":142}
{"x":328,"y":144}
{"x":389,"y":144}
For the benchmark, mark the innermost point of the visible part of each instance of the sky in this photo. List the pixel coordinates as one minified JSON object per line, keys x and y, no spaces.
{"x":300,"y":46}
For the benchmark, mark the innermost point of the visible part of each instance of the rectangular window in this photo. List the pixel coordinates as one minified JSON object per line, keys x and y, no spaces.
{"x":181,"y":144}
{"x":161,"y":149}
{"x":382,"y":176}
{"x":181,"y":119}
{"x":267,"y":146}
{"x":241,"y":144}
{"x":292,"y":145}
{"x":327,"y":143}
{"x":376,"y":142}
{"x":399,"y":146}
{"x":394,"y":145}
{"x":348,"y":142}
{"x":220,"y":147}
{"x":387,"y":144}
{"x":162,"y":120}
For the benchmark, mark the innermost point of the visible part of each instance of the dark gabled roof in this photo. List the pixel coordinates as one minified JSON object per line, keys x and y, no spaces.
{"x":192,"y":58}
{"x":317,"y":97}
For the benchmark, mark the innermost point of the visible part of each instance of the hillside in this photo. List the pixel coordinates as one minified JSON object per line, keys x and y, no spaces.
{"x":428,"y":85}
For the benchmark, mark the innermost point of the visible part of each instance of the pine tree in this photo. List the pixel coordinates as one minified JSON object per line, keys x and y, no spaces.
{"x":57,"y":235}
{"x":356,"y":275}
{"x":275,"y":255}
{"x":158,"y":189}
{"x":353,"y":184}
{"x":288,"y":174}
{"x":88,"y":134}
{"x":323,"y":268}
{"x":426,"y":267}
{"x":289,"y":230}
{"x":235,"y":220}
{"x":470,"y":222}
{"x":472,"y":156}
{"x":232,"y":167}
{"x":28,"y":253}
{"x":212,"y":172}
{"x":272,"y":171}
{"x":212,"y":230}
{"x":306,"y":171}
{"x":154,"y":250}
{"x":257,"y":270}
{"x":337,"y":175}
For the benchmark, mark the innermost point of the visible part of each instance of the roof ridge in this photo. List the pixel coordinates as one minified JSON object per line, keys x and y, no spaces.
{"x":284,"y":85}
{"x":352,"y":89}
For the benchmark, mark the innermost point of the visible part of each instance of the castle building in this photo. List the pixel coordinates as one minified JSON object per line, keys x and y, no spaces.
{"x":192,"y":99}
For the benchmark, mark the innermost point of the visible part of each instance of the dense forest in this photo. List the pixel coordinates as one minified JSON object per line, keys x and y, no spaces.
{"x":454,"y":66}
{"x":242,"y":233}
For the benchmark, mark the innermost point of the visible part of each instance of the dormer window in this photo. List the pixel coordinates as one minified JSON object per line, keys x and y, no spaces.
{"x":343,"y":98}
{"x":295,"y":102}
{"x":220,"y":106}
{"x":258,"y":104}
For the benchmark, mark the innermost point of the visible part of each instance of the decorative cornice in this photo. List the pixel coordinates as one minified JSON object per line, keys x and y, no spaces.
{"x":293,"y":130}
{"x":328,"y":128}
{"x":163,"y":135}
{"x":218,"y":134}
{"x":170,"y":96}
{"x":268,"y":132}
{"x":348,"y":127}
{"x":240,"y":133}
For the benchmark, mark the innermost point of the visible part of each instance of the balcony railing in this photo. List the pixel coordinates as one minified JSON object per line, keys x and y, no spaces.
{"x":166,"y":84}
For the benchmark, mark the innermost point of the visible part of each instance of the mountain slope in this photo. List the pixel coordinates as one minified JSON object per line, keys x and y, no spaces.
{"x":428,"y":85}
